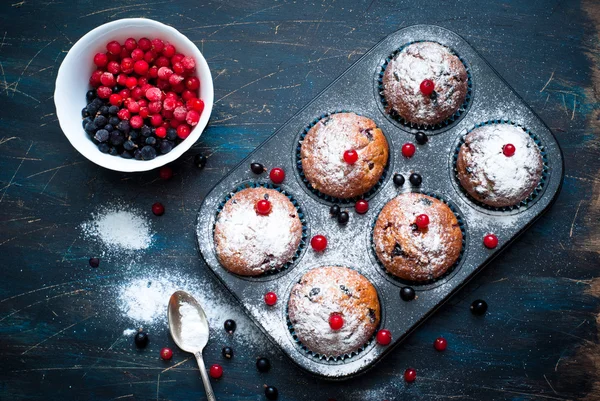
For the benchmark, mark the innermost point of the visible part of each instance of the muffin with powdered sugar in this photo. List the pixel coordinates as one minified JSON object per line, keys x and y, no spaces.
{"x":499,"y":165}
{"x":417,"y":237}
{"x":344,"y":155}
{"x":425,"y":83}
{"x":334,"y":310}
{"x":257,"y":231}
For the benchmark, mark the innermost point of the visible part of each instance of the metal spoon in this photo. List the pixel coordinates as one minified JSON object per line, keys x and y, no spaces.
{"x":189,"y":328}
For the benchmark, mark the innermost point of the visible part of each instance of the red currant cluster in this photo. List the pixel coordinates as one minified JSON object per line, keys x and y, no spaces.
{"x":159,"y":85}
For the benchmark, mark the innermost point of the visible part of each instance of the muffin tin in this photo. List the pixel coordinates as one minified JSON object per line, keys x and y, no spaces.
{"x":357,"y":90}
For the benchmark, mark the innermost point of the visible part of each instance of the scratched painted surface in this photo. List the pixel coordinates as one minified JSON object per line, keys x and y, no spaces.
{"x":58,"y":341}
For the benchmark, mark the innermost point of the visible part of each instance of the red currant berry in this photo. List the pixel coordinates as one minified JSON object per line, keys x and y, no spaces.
{"x":263,"y":207}
{"x":336,"y":321}
{"x":408,"y":149}
{"x":169,"y":50}
{"x":113,"y":67}
{"x":100,"y":59}
{"x":165,"y":172}
{"x":361,"y":206}
{"x":277,"y":175}
{"x":318,"y":243}
{"x":188,"y":63}
{"x":133,"y":106}
{"x":144,"y":44}
{"x":95,"y":78}
{"x":192,"y":117}
{"x":490,"y":241}
{"x":156,"y":120}
{"x":158,"y":45}
{"x":183,"y":130}
{"x":127,"y":65}
{"x":440,"y":344}
{"x":149,"y":56}
{"x":158,"y":209}
{"x":107,"y":79}
{"x":216,"y":371}
{"x":136,"y":122}
{"x":427,"y":87}
{"x":166,"y":354}
{"x":130,"y":44}
{"x":104,"y":92}
{"x":161,"y":132}
{"x":131,"y":82}
{"x":350,"y":156}
{"x":192,"y":83}
{"x":124,"y":114}
{"x":422,"y":221}
{"x":509,"y":149}
{"x":410,"y":375}
{"x":178,"y":68}
{"x":141,"y":67}
{"x":196,"y":104}
{"x":137,"y":54}
{"x":154,"y":94}
{"x":270,"y":298}
{"x":384,"y":337}
{"x":113,"y":47}
{"x":115,"y":99}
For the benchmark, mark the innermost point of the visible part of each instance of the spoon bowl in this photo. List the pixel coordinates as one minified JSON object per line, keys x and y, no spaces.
{"x":189,"y":328}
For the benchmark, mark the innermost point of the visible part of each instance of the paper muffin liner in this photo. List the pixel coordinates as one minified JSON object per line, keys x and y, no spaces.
{"x":301,"y":216}
{"x":534,"y":194}
{"x":333,"y":359}
{"x":396,"y":117}
{"x":425,"y":284}
{"x":342,"y":201}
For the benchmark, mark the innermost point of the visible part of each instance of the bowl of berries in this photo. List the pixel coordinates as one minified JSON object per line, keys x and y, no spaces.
{"x":133,"y":95}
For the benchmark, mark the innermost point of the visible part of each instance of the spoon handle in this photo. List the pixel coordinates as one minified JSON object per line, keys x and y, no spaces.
{"x":205,"y":380}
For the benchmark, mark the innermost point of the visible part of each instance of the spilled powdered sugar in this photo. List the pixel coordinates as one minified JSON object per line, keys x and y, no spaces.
{"x":119,"y":229}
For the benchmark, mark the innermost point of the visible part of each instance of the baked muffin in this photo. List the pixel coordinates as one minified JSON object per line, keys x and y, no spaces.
{"x":332,"y":290}
{"x":493,"y":174}
{"x":249,"y":243}
{"x":417,"y":252}
{"x":322,"y":155}
{"x":406,"y":72}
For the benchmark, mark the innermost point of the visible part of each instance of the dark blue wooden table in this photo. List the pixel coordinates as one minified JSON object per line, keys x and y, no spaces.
{"x":60,"y":331}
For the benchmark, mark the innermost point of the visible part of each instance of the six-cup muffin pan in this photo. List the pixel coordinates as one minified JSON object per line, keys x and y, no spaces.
{"x":490,"y":100}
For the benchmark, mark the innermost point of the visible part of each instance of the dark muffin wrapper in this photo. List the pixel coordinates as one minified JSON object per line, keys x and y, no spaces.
{"x":301,"y":216}
{"x":426,"y":127}
{"x":333,"y":359}
{"x":425,"y":284}
{"x":534,"y":194}
{"x":328,"y":198}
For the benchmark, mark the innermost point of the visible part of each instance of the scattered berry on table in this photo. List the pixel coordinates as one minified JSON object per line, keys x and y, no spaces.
{"x":230,"y":326}
{"x":257,"y":168}
{"x":407,"y":294}
{"x":263,"y":365}
{"x":336,"y":321}
{"x":158,"y":209}
{"x":343,"y":218}
{"x":410,"y":375}
{"x":440,"y":344}
{"x":361,"y":206}
{"x":479,"y":307}
{"x":398,"y":179}
{"x":408,"y":149}
{"x":490,"y":241}
{"x":141,"y":339}
{"x":165,"y":172}
{"x":415,"y":179}
{"x":270,"y":298}
{"x":216,"y":371}
{"x":421,"y":138}
{"x":318,"y":243}
{"x":277,"y":175}
{"x":94,"y":262}
{"x":166,"y":354}
{"x":509,"y":149}
{"x":334,"y":210}
{"x":227,"y":352}
{"x":200,"y":160}
{"x":384,"y":337}
{"x":422,"y":221}
{"x":263,"y":207}
{"x":351,"y":156}
{"x":271,"y":393}
{"x":427,"y":87}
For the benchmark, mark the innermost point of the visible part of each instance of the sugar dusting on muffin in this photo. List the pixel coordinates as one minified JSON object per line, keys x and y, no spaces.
{"x":250,"y":244}
{"x":491,"y":177}
{"x":329,"y":290}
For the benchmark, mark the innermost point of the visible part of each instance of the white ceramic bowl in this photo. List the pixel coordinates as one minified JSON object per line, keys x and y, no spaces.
{"x":72,"y":83}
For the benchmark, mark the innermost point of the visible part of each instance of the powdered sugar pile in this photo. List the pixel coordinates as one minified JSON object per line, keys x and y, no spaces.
{"x":119,"y":229}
